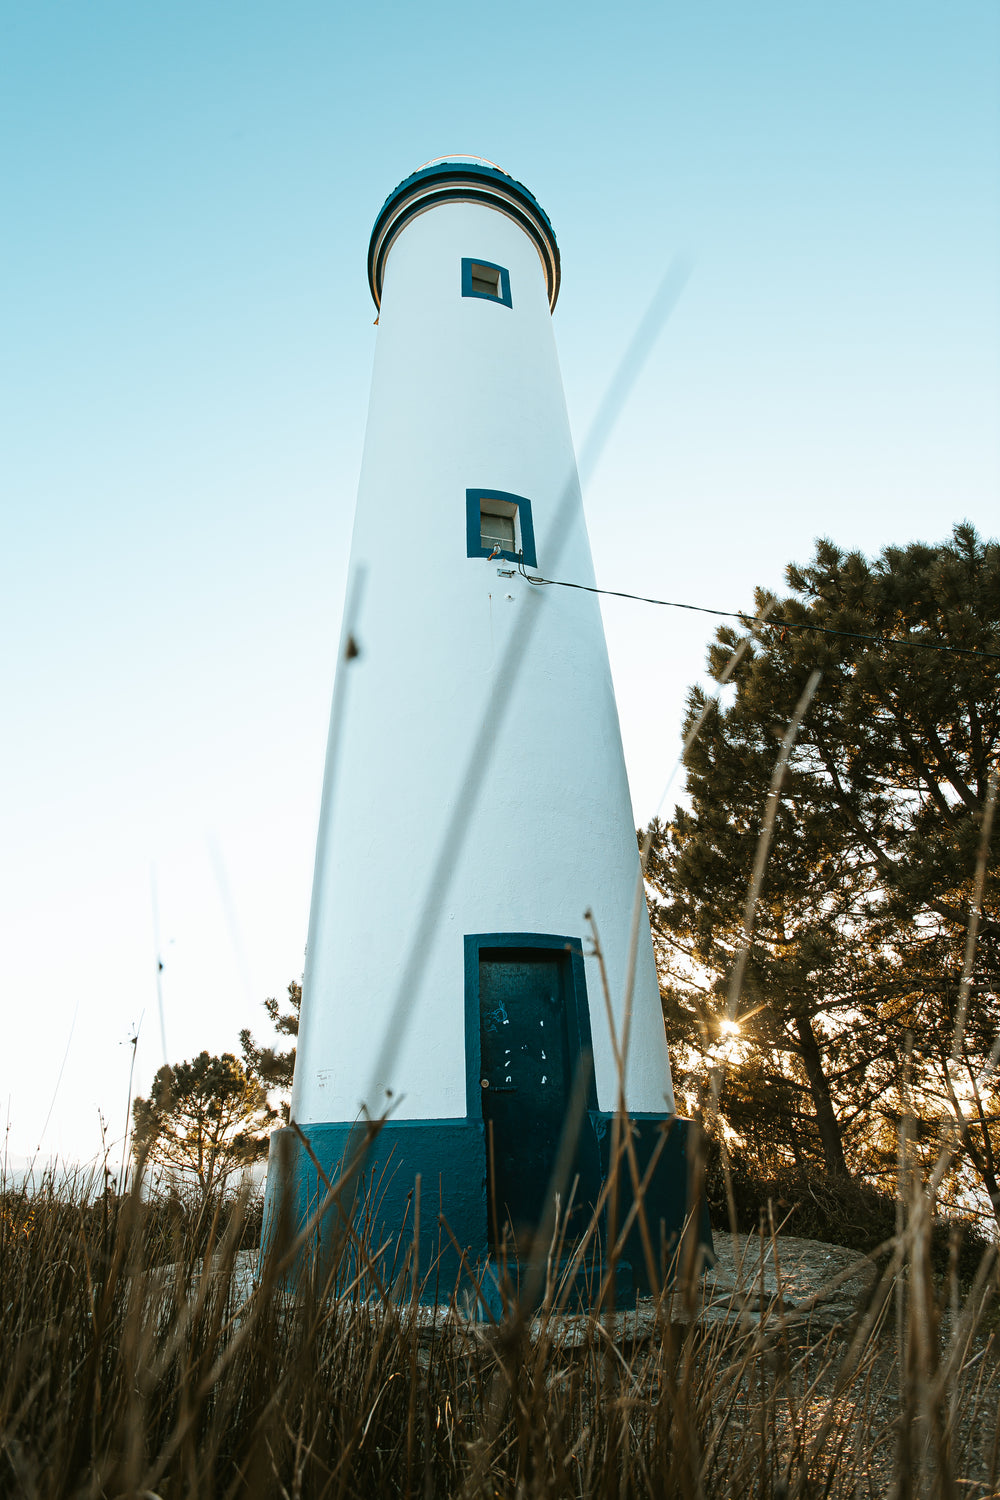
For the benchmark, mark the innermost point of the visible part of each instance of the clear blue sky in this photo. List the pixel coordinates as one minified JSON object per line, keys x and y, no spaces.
{"x":186,"y":345}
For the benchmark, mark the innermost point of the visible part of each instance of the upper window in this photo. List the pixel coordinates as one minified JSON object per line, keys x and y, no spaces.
{"x":499,"y":525}
{"x":496,"y":531}
{"x":481,"y":278}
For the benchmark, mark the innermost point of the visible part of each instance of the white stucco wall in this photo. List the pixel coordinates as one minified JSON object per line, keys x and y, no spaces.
{"x":465,"y":393}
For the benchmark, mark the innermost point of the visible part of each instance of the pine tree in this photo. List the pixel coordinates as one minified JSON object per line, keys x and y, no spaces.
{"x":860,"y":930}
{"x":203,"y":1120}
{"x":274,"y":1068}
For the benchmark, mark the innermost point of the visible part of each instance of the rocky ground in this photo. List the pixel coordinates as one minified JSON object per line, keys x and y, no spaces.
{"x":805,"y":1283}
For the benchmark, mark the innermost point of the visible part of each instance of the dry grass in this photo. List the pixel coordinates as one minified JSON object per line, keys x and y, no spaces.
{"x":189,"y":1380}
{"x":138,"y":1359}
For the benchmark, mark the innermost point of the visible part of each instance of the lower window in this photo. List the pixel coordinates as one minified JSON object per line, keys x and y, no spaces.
{"x":498,"y":524}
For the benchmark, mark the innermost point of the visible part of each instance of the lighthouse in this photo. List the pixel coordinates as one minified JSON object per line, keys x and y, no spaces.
{"x":479,"y":969}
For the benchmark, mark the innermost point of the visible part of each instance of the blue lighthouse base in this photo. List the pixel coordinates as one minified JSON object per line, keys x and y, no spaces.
{"x":403,"y":1209}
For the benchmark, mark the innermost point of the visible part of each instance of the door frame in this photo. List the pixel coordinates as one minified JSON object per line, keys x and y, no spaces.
{"x":578,"y":1034}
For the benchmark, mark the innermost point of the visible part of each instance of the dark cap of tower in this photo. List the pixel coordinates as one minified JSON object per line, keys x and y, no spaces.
{"x":464,"y":181}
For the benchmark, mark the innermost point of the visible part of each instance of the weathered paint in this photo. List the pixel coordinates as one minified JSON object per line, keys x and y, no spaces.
{"x":449,"y":1157}
{"x":667,"y":1198}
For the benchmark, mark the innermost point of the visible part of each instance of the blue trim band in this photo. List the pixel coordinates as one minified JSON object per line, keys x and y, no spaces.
{"x":450,"y":1157}
{"x":468,"y":171}
{"x":501,"y":296}
{"x":669,"y":1194}
{"x":474,"y":531}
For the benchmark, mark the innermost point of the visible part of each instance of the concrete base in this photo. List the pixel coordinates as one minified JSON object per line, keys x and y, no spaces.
{"x":434,"y":1171}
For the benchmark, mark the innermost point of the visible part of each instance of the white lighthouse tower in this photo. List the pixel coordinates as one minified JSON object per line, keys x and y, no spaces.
{"x":476,"y":803}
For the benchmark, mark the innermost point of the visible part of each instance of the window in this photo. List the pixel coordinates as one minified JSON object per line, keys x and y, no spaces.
{"x":485,"y":280}
{"x":481,"y":278}
{"x":496,"y":531}
{"x":499,"y":525}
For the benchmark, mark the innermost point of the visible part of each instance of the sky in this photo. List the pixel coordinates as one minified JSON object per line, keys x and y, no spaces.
{"x":186,"y":339}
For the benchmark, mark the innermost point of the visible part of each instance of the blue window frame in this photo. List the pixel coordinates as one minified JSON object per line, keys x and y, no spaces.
{"x":482,"y":504}
{"x":481,"y":278}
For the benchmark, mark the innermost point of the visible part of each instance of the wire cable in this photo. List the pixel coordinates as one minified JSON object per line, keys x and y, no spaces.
{"x":759,"y":620}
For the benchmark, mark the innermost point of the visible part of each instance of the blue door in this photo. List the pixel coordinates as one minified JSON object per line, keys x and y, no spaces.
{"x":527,"y":1065}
